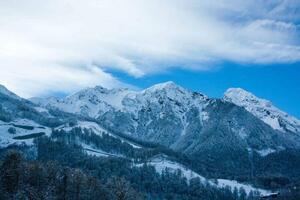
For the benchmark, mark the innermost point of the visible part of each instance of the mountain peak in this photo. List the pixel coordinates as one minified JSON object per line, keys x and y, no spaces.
{"x":164,"y":86}
{"x":263,"y":109}
{"x":167,"y":83}
{"x":244,"y":98}
{"x":237,"y":90}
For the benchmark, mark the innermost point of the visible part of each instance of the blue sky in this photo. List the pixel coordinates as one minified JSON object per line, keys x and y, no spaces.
{"x":56,"y":47}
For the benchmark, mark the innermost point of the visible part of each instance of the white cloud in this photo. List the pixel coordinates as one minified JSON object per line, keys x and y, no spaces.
{"x":30,"y":79}
{"x":48,"y":46}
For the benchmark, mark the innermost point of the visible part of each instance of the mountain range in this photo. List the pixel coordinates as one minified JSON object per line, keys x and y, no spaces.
{"x":239,"y":136}
{"x":181,"y":119}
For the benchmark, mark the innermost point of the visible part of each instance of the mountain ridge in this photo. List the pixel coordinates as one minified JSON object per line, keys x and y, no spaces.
{"x":263,"y":109}
{"x":114,"y":99}
{"x":180,"y":119}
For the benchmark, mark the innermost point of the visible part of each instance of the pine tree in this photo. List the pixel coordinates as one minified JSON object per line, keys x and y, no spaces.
{"x":10,"y":173}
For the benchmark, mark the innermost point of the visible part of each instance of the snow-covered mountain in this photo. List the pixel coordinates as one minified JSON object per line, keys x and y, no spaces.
{"x":181,"y":119}
{"x":164,"y":107}
{"x":90,"y":102}
{"x":221,"y":137}
{"x":169,"y":115}
{"x":94,"y":102}
{"x":263,"y":109}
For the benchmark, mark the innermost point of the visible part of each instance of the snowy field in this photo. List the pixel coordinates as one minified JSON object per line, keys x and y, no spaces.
{"x":162,"y":162}
{"x":25,"y":132}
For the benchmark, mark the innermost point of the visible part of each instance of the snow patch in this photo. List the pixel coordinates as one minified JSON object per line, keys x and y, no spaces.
{"x":41,"y":110}
{"x":234,"y":184}
{"x":97,"y":152}
{"x":265,"y":152}
{"x":205,"y":116}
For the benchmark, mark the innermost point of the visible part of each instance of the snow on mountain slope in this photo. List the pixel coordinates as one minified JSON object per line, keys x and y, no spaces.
{"x":162,"y":162}
{"x":265,"y":152}
{"x":98,"y":100}
{"x":90,"y":102}
{"x":169,"y":91}
{"x":221,"y":183}
{"x":97,"y":129}
{"x":5,"y":91}
{"x":83,"y":124}
{"x":159,"y":108}
{"x":99,"y":153}
{"x":263,"y":109}
{"x":90,"y":150}
{"x":25,"y":131}
{"x":89,"y":147}
{"x":171,"y":115}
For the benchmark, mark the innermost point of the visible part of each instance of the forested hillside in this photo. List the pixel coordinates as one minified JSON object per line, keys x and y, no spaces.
{"x":65,"y":172}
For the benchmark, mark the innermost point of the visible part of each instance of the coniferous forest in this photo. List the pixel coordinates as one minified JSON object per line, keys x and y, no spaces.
{"x":57,"y":167}
{"x":65,"y":172}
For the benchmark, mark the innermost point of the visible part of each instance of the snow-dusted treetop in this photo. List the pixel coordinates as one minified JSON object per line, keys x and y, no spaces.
{"x":263,"y":109}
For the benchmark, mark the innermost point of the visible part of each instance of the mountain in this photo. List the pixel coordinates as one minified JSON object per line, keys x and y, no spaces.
{"x":218,"y":138}
{"x":263,"y":109}
{"x":5,"y":91}
{"x":184,"y":120}
{"x":14,"y":107}
{"x":163,"y":108}
{"x":21,"y":120}
{"x":219,"y":134}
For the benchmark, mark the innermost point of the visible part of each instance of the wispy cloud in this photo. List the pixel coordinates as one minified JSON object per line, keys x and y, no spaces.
{"x":60,"y":45}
